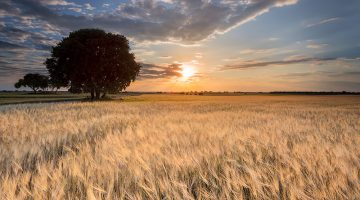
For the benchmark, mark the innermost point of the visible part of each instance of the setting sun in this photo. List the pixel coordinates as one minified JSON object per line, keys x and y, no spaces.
{"x":187,"y":71}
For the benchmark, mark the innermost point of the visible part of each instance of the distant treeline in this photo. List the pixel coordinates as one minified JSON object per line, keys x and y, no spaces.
{"x":316,"y":93}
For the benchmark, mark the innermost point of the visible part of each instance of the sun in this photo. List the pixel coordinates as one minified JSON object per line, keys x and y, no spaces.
{"x":187,"y":71}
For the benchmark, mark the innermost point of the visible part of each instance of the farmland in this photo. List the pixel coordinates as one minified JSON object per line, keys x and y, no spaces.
{"x":182,"y":147}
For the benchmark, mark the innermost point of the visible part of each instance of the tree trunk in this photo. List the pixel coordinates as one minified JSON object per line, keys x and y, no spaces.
{"x":104,"y":95}
{"x":97,"y":94}
{"x":92,"y":93}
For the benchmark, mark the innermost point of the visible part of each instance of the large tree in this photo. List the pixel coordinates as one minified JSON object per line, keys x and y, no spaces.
{"x":93,"y":61}
{"x":33,"y":81}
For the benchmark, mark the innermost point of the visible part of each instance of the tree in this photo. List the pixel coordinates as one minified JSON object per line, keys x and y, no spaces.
{"x":33,"y":81}
{"x":93,"y":61}
{"x":54,"y":85}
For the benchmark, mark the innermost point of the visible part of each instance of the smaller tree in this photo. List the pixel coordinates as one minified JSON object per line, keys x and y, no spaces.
{"x":33,"y":81}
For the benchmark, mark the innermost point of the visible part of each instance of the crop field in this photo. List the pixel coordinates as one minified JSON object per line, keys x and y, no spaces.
{"x":182,"y":147}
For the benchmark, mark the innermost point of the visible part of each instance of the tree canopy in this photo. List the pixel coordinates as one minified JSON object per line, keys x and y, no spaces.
{"x":33,"y":81}
{"x":91,"y":60}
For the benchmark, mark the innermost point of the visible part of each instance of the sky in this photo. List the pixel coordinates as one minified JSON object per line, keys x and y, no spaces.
{"x":199,"y":45}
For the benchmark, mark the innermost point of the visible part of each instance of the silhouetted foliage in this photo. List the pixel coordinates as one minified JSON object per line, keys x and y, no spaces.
{"x":91,"y":60}
{"x":33,"y":81}
{"x":75,"y":90}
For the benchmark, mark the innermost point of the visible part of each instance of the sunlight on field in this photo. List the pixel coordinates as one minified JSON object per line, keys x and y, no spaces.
{"x":275,"y":147}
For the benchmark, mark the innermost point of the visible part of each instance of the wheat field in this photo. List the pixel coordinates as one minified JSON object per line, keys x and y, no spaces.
{"x":250,"y":147}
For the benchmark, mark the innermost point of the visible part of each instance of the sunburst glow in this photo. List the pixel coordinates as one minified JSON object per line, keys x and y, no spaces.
{"x":187,"y":71}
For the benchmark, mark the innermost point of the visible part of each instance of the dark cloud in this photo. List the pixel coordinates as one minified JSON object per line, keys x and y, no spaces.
{"x":8,"y":69}
{"x":184,"y":21}
{"x":11,"y":72}
{"x":151,"y":71}
{"x":16,"y":60}
{"x":345,"y":74}
{"x":12,"y":33}
{"x":30,"y":39}
{"x":9,"y":46}
{"x":255,"y":64}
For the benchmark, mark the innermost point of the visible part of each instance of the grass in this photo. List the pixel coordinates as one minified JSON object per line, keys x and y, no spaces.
{"x":25,"y":97}
{"x":182,"y":147}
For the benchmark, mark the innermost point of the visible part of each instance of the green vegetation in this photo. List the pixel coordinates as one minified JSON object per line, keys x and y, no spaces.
{"x":25,"y":97}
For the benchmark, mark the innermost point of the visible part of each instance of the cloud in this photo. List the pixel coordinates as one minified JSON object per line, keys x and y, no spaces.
{"x":165,"y":57}
{"x":21,"y":52}
{"x":296,"y":75}
{"x":295,"y":59}
{"x":15,"y":34}
{"x":88,"y":6}
{"x":289,"y":61}
{"x":325,"y":21}
{"x":15,"y":61}
{"x":273,"y":39}
{"x":346,"y":74}
{"x":152,"y":71}
{"x":9,"y":46}
{"x":259,"y":51}
{"x":57,"y":3}
{"x":316,"y":46}
{"x":232,"y":59}
{"x":198,"y":56}
{"x":143,"y":52}
{"x":36,"y":40}
{"x":152,"y":20}
{"x":75,"y":9}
